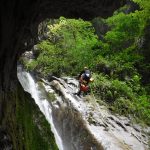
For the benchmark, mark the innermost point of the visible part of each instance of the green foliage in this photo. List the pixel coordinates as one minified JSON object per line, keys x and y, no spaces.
{"x":120,"y":53}
{"x":142,"y":107}
{"x":67,"y":49}
{"x":51,"y":97}
{"x":31,"y":65}
{"x":51,"y":58}
{"x":145,"y":8}
{"x":124,"y":30}
{"x":109,"y":90}
{"x":72,"y":44}
{"x":122,"y":97}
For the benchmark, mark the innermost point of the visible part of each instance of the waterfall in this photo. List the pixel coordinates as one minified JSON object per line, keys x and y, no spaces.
{"x":31,"y":87}
{"x":77,"y":123}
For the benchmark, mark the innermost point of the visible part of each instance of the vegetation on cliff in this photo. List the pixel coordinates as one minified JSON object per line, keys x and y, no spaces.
{"x":118,"y":59}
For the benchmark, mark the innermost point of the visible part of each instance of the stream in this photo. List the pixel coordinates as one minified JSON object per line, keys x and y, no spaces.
{"x":80,"y":123}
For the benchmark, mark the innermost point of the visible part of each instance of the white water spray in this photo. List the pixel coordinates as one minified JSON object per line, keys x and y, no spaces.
{"x":31,"y":87}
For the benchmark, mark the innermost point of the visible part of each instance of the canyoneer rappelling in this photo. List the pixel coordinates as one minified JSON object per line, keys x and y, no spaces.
{"x":84,"y":79}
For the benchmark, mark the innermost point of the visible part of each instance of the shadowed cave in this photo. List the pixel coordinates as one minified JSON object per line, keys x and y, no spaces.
{"x":18,"y":33}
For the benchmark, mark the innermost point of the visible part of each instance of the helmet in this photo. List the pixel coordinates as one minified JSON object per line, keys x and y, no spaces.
{"x":85,"y":68}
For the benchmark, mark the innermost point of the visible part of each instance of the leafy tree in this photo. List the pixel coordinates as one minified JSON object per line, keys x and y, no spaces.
{"x":68,"y":47}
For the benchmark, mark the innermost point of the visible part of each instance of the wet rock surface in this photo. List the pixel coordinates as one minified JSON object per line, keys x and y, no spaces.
{"x":85,"y":125}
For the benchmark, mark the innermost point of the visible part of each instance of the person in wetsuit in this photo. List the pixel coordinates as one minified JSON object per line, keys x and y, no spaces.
{"x":84,"y":78}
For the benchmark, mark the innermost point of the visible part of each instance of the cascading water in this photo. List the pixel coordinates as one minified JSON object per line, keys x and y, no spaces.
{"x":31,"y":87}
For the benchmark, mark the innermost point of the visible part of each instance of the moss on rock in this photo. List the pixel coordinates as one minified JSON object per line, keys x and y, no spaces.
{"x":25,"y":124}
